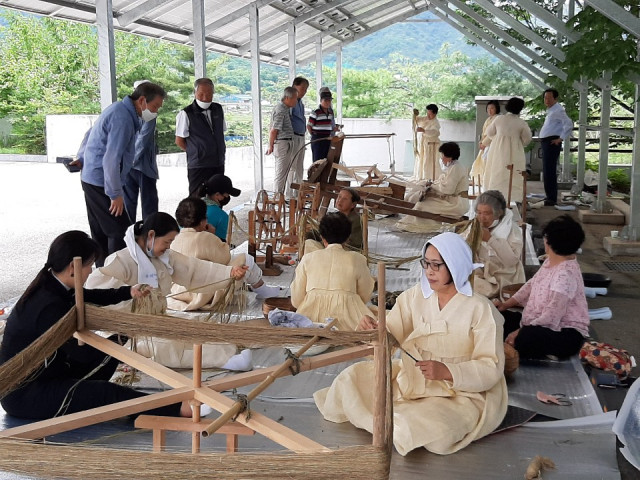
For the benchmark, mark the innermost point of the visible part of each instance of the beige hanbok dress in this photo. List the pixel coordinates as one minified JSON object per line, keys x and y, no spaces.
{"x":205,"y":246}
{"x":467,"y":337}
{"x":427,"y":166}
{"x":447,"y":196}
{"x":120,"y":269}
{"x":478,"y":166}
{"x":335,"y":283}
{"x":510,"y":134}
{"x":502,"y":258}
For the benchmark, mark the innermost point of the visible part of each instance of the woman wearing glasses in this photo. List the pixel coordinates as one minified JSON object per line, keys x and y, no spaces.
{"x":456,"y":393}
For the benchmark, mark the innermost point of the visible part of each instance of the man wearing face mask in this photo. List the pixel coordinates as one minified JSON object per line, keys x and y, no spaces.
{"x":216,"y":193}
{"x":143,"y":176}
{"x":107,"y":159}
{"x":200,"y":131}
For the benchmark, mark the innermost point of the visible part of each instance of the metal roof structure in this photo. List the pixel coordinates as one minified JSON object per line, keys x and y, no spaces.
{"x":295,"y":32}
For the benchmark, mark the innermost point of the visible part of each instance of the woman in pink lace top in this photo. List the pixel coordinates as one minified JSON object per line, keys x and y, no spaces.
{"x":555,"y":318}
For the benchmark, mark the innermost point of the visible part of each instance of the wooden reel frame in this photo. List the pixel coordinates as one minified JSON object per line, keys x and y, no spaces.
{"x":197,"y":393}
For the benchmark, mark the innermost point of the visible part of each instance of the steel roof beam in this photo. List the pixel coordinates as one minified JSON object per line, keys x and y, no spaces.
{"x":138,"y":12}
{"x":617,"y":14}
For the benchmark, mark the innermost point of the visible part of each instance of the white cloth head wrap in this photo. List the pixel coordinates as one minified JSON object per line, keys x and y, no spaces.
{"x":147,"y":273}
{"x":457,"y":255}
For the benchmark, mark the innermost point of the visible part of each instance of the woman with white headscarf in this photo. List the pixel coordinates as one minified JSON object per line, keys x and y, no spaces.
{"x":501,"y":247}
{"x":456,"y":393}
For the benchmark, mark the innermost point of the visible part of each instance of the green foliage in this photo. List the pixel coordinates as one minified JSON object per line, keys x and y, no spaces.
{"x":620,"y":180}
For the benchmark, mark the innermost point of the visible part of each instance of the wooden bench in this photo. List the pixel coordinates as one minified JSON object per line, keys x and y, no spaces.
{"x":160,"y":425}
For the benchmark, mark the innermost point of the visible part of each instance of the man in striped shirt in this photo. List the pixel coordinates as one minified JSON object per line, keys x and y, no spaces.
{"x":322,"y":125}
{"x":281,"y":138}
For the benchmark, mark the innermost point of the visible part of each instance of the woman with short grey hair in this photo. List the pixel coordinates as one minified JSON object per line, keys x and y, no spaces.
{"x":501,"y":247}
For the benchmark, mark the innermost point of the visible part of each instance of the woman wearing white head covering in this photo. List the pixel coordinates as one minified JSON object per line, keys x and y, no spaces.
{"x":501,"y":247}
{"x":456,"y":393}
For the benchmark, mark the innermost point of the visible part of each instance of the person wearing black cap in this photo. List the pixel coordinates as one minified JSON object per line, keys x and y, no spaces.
{"x":321,"y":125}
{"x":217,"y":192}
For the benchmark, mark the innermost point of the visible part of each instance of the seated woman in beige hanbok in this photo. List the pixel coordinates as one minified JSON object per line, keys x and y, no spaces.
{"x":477,"y":169}
{"x":501,"y":247}
{"x":195,"y":240}
{"x":148,"y":259}
{"x":333,"y":282}
{"x":447,"y":196}
{"x":509,"y":135}
{"x":428,"y":134}
{"x":456,"y":393}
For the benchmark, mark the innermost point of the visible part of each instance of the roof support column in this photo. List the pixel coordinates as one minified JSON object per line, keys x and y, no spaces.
{"x":318,"y":66}
{"x":634,"y":204}
{"x":199,"y":45}
{"x":106,"y":53}
{"x":605,"y":119}
{"x":566,"y":164}
{"x":256,"y":101}
{"x":582,"y":133}
{"x":339,"y":84}
{"x":292,"y":51}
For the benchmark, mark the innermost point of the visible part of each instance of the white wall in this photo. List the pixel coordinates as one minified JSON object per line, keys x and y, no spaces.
{"x":65,"y":133}
{"x":376,"y":150}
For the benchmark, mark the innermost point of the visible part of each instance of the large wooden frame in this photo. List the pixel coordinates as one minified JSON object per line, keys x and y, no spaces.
{"x":185,"y":388}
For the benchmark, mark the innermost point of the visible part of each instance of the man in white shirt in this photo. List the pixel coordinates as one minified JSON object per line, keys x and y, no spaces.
{"x":200,"y":131}
{"x":557,"y":127}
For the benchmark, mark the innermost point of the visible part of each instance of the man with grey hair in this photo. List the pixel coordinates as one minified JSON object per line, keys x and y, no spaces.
{"x":281,"y":138}
{"x":200,"y":131}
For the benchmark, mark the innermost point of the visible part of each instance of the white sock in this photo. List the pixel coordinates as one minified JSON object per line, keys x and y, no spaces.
{"x":600,"y":314}
{"x":204,"y":410}
{"x":266,"y":291}
{"x":591,"y":292}
{"x":243,"y":362}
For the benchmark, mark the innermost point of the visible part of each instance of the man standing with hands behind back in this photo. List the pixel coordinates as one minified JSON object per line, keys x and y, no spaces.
{"x":106,"y":160}
{"x":200,"y":131}
{"x":299,"y":124}
{"x":557,"y":127}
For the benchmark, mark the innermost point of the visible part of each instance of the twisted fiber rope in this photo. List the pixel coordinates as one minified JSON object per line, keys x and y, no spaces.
{"x":32,"y":358}
{"x":88,"y":463}
{"x":194,"y":331}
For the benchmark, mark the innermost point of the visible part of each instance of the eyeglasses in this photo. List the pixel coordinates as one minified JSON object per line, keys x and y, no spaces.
{"x":434,"y":266}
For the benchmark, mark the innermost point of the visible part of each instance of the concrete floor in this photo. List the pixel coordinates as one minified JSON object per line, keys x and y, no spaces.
{"x":39,"y":201}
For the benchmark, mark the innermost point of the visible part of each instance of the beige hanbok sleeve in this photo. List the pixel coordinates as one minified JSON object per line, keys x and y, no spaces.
{"x":483,"y":371}
{"x":208,"y":246}
{"x":193,"y":272}
{"x":448,"y":182}
{"x":365,"y":281}
{"x":508,"y":250}
{"x":432,"y":128}
{"x":485,"y":138}
{"x":399,"y":323}
{"x":525,"y":134}
{"x":492,"y":130}
{"x":119,"y":269}
{"x":299,"y":284}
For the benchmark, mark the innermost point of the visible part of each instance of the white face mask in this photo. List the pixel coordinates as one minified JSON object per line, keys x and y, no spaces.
{"x":148,"y":115}
{"x":203,"y":105}
{"x":444,"y":167}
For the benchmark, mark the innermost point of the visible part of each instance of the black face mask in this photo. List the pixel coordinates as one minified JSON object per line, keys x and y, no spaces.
{"x":224,"y":201}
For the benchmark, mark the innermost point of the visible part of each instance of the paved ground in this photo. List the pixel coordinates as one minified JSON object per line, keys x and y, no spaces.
{"x":39,"y":201}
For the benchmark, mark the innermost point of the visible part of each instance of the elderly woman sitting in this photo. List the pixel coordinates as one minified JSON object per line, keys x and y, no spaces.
{"x":555,"y":319}
{"x":456,"y":392}
{"x":346,"y":203}
{"x":501,"y":247}
{"x":333,"y":282}
{"x":447,"y":195}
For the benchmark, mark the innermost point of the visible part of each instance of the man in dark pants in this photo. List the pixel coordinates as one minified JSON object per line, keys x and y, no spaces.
{"x":106,"y":160}
{"x":557,"y":127}
{"x":143,"y":176}
{"x":200,"y":131}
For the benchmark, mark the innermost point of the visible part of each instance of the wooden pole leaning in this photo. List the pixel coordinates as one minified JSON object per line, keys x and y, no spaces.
{"x":381,"y":366}
{"x":236,"y":408}
{"x":510,"y":168}
{"x":365,"y":230}
{"x":79,"y":294}
{"x":230,"y":227}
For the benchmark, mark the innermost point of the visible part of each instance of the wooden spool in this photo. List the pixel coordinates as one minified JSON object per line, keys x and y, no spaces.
{"x":283,"y":303}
